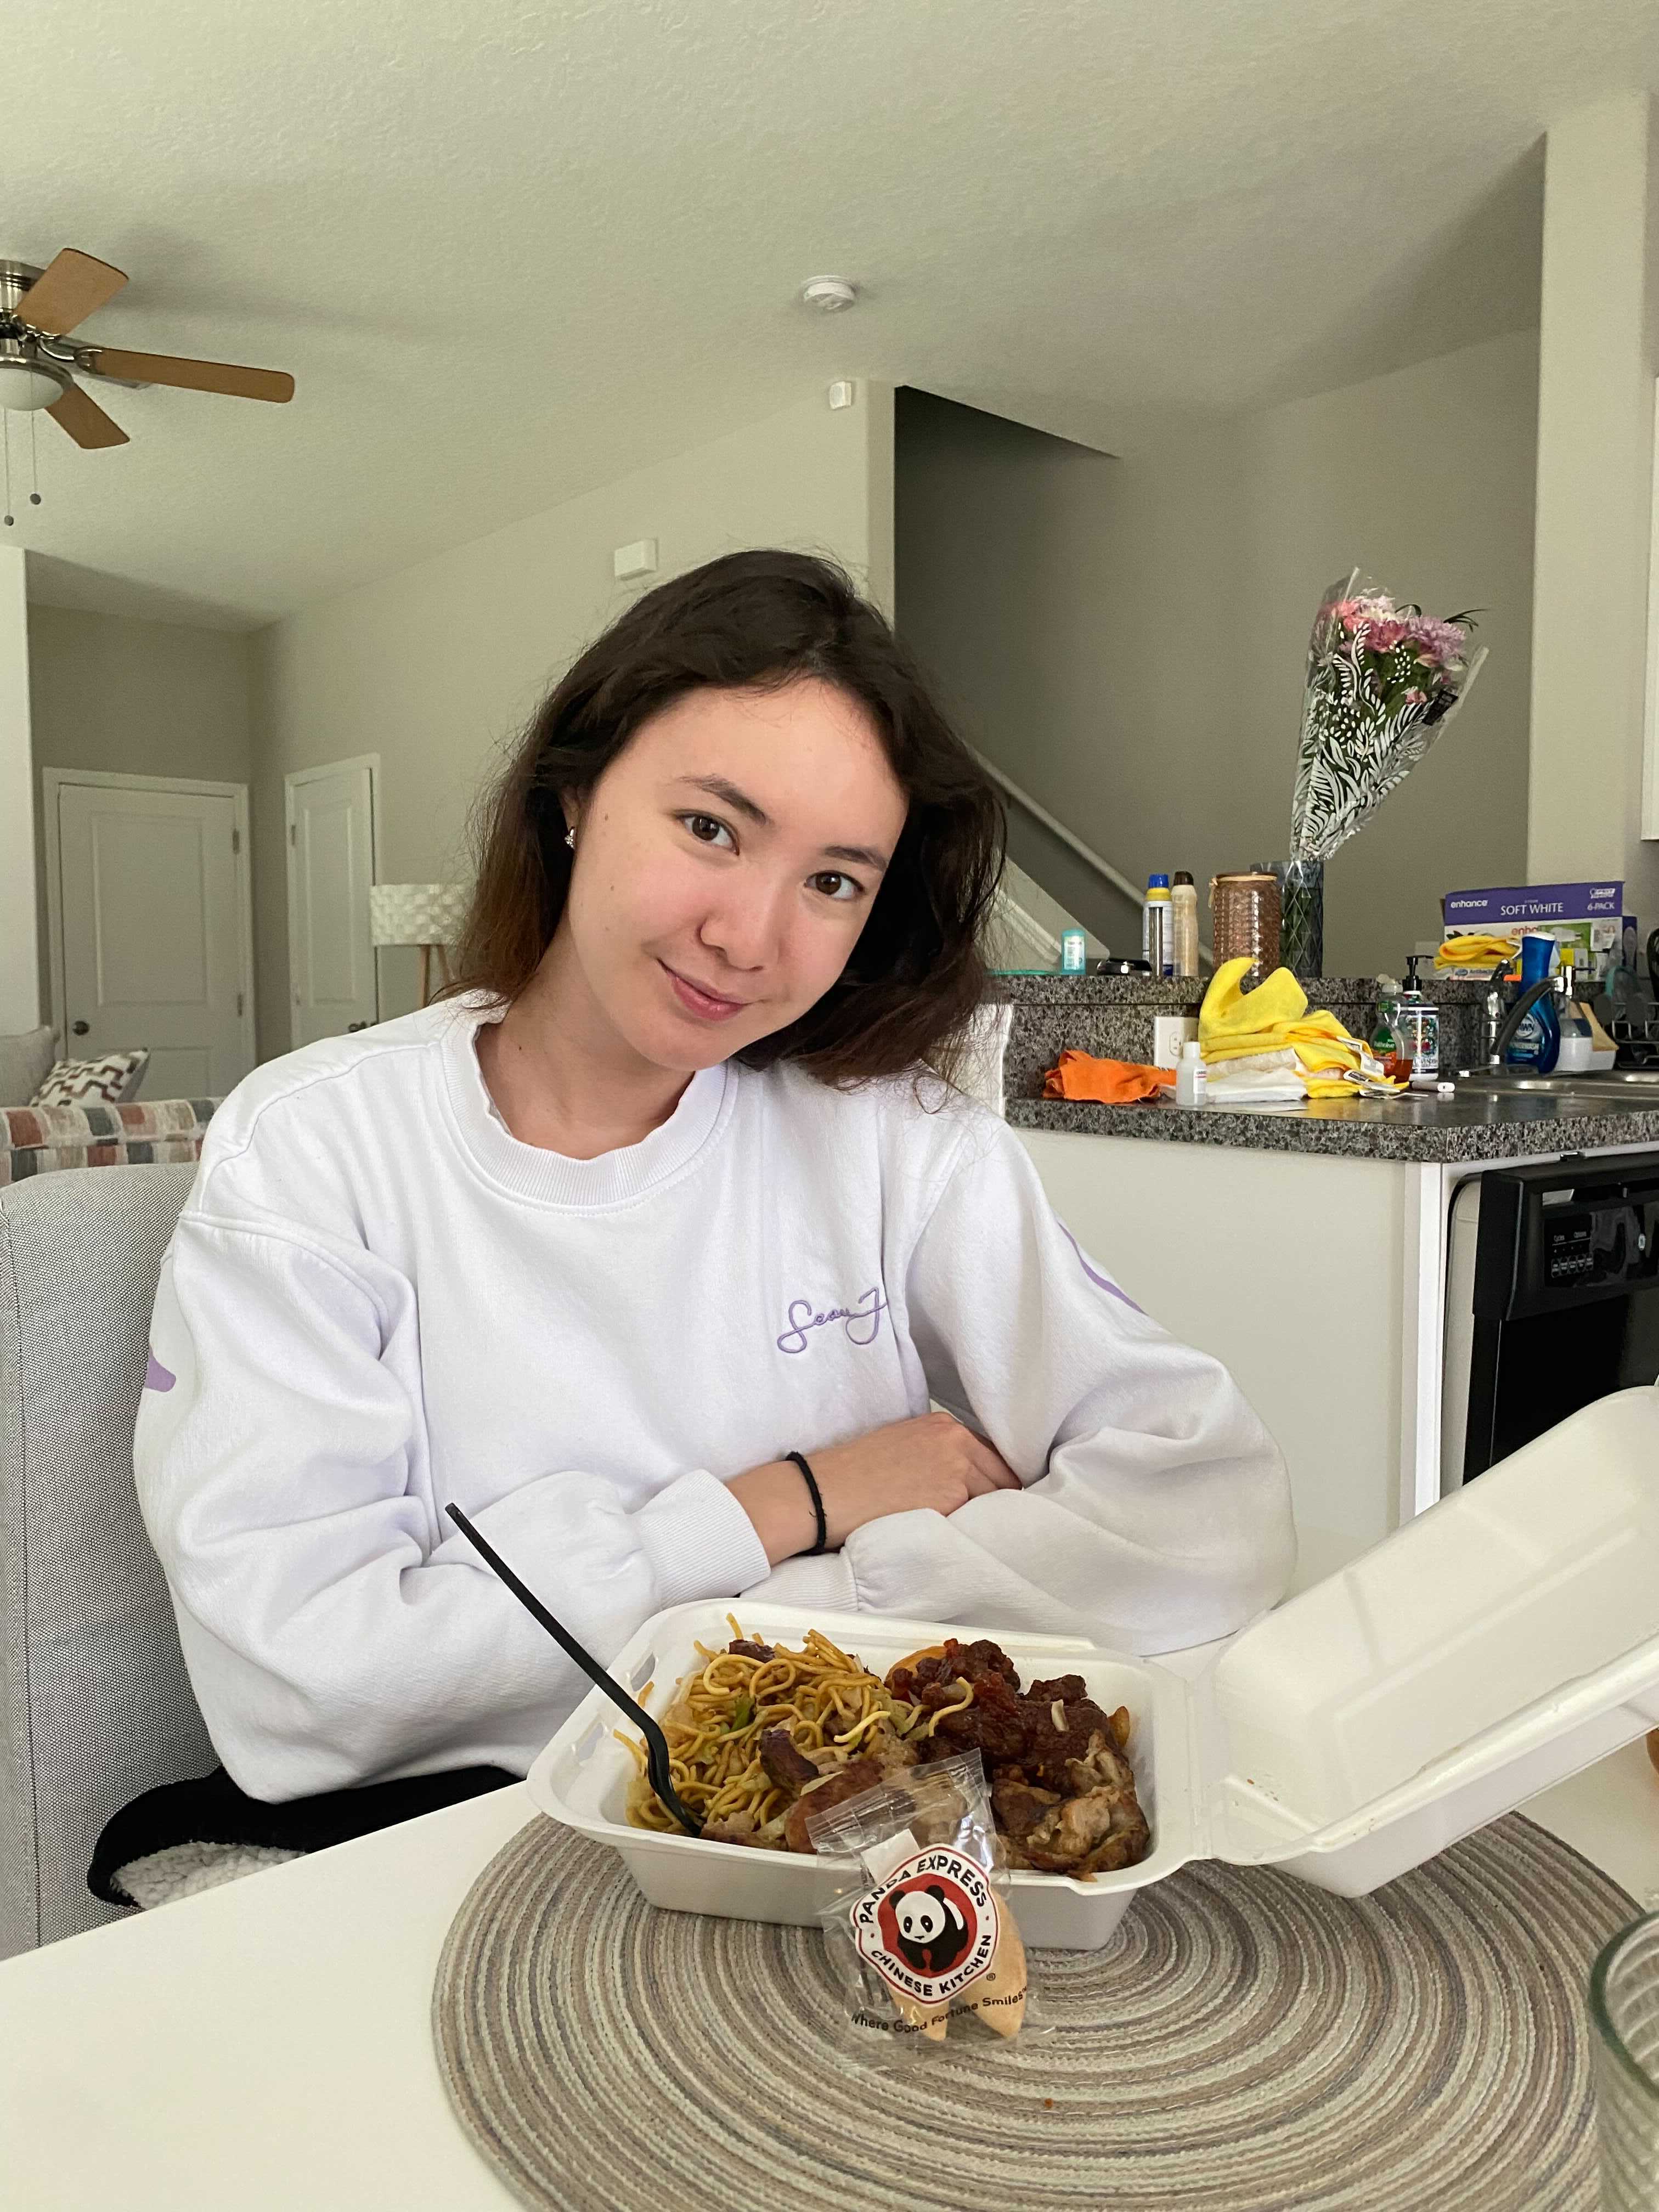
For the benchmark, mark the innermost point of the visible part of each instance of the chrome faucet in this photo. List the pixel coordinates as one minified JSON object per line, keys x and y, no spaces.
{"x":1517,"y":1013}
{"x":1492,"y":1012}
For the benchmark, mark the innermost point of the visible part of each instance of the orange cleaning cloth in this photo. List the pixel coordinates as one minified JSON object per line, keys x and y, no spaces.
{"x":1111,"y":1082}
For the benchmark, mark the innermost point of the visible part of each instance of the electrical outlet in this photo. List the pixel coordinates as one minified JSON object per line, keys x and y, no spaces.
{"x":1169,"y":1033}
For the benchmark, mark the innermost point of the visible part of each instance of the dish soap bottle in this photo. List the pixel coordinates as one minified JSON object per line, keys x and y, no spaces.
{"x":1537,"y":1041}
{"x":1385,"y":1037}
{"x":1419,"y":1028}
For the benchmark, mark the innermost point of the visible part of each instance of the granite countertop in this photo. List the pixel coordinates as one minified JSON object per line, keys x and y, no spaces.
{"x":1470,"y":1126}
{"x":1113,"y":1015}
{"x":1184,"y":993}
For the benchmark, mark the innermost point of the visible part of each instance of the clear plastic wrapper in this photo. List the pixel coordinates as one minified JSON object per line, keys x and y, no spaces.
{"x":917,"y":1917}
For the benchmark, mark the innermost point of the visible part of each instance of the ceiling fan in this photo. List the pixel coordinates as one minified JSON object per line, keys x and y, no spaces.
{"x":40,"y":361}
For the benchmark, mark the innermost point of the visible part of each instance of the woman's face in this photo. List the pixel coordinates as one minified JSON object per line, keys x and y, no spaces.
{"x":726,"y":863}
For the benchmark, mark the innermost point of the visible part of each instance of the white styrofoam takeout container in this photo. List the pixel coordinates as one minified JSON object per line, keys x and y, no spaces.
{"x":1496,"y":1644}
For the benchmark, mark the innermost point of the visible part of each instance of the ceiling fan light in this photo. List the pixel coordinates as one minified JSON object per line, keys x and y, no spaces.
{"x":26,"y":385}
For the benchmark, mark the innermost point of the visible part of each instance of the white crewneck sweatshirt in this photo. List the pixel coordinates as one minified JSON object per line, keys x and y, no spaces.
{"x":377,"y":1300}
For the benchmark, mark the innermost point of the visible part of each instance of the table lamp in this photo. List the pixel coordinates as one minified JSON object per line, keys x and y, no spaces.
{"x":430,"y":915}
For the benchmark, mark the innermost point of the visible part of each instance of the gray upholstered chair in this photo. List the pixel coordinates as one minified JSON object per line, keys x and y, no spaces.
{"x":94,"y":1702}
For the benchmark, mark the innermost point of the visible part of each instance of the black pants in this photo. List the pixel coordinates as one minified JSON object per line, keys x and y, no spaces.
{"x":213,"y":1810}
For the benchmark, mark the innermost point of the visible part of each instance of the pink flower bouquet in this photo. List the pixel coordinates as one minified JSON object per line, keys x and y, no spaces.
{"x":1383,"y":682}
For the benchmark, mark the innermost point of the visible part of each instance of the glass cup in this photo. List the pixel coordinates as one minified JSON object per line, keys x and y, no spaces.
{"x":1624,"y":2003}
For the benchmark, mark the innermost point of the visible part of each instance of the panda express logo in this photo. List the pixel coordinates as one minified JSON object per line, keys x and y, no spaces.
{"x":932,"y":1928}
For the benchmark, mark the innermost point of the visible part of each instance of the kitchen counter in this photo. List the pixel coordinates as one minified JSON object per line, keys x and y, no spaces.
{"x":1113,"y":1016}
{"x":1414,"y":1126}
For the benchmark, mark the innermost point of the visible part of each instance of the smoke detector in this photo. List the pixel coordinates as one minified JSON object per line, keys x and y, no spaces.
{"x":828,"y":295}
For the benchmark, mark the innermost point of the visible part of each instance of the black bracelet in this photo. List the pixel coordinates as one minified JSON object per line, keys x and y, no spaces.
{"x":811,"y":1482}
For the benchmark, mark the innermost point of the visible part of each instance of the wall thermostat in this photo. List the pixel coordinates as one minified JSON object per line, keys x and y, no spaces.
{"x":842,"y":392}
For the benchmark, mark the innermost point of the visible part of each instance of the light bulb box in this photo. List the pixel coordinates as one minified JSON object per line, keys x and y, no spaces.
{"x":1588,"y":917}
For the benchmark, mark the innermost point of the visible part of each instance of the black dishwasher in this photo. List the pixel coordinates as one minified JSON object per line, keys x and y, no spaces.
{"x":1552,"y":1301}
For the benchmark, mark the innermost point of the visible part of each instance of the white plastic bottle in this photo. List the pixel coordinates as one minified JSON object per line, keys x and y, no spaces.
{"x":1192,"y":1077}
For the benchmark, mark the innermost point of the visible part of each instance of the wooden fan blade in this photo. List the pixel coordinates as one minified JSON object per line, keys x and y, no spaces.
{"x":194,"y":375}
{"x":85,"y":420}
{"x":66,"y":293}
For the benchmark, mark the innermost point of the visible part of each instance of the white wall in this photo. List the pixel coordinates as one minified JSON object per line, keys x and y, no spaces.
{"x":1598,"y":351}
{"x":438,"y":667}
{"x":20,"y":988}
{"x":1125,"y":634}
{"x":1044,"y":586}
{"x":130,"y":697}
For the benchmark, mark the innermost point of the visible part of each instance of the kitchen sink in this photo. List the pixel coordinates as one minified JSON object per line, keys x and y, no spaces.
{"x":1603,"y":1088}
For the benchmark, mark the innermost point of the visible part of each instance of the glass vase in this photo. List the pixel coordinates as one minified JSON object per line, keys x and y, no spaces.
{"x":1624,"y":2004}
{"x":1302,"y":916}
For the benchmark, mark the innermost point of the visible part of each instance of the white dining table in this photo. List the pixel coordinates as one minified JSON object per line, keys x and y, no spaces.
{"x":267,"y":2046}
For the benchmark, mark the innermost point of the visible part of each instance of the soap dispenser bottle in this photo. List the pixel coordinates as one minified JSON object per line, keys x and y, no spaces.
{"x":1537,"y":1040}
{"x":1418,"y":1020}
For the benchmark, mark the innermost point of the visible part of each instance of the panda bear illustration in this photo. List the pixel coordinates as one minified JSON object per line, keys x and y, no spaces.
{"x":932,"y":1932}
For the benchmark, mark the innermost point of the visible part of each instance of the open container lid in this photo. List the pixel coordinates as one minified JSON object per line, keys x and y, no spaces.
{"x":1498,"y":1642}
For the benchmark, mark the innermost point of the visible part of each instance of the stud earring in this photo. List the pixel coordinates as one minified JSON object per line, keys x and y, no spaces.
{"x":570,"y":838}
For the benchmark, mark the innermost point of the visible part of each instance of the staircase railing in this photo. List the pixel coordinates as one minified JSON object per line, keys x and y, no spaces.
{"x":1104,"y":868}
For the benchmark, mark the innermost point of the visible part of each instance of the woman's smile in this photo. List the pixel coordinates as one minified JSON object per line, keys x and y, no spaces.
{"x":707,"y":1006}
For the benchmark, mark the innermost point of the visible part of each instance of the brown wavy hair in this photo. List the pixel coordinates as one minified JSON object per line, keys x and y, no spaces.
{"x":752,"y":621}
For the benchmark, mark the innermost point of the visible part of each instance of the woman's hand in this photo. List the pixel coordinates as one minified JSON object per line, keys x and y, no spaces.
{"x":930,"y":1463}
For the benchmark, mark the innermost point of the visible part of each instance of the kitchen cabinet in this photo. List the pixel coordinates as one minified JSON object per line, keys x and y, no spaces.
{"x":1318,"y":1279}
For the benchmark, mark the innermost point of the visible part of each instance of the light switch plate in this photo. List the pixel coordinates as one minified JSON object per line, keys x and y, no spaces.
{"x":1169,"y":1033}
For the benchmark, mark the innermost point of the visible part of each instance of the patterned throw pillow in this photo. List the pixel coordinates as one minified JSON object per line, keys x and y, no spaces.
{"x":113,"y":1078}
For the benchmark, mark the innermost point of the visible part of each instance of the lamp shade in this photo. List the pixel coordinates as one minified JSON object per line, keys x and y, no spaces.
{"x":417,"y":913}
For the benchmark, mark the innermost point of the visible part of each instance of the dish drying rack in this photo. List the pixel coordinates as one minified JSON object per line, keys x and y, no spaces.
{"x":1636,"y":1034}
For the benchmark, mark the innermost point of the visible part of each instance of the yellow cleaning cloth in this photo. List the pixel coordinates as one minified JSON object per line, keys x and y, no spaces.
{"x":1110,"y":1082}
{"x":1480,"y":949}
{"x":1233,"y":1022}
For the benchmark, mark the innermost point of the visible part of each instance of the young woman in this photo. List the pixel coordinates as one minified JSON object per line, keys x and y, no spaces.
{"x":661,"y":1193}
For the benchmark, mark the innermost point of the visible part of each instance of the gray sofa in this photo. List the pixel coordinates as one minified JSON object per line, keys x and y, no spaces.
{"x":25,"y":1063}
{"x":94,"y":1702}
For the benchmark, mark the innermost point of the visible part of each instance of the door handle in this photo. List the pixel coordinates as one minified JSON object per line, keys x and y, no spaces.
{"x":80,"y":1028}
{"x":352,"y":1027}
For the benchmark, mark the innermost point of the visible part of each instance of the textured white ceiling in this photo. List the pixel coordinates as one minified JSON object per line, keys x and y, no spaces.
{"x":511,"y":251}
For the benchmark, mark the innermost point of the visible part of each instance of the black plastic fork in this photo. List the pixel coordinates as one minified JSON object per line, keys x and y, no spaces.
{"x":656,"y":1743}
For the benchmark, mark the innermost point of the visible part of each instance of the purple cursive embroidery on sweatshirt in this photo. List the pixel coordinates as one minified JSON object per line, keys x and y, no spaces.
{"x":865,"y":1314}
{"x":156,"y":1377}
{"x":1100,"y":1282}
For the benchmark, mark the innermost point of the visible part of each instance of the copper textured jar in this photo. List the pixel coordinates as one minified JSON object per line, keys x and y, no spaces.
{"x":1244,"y":918}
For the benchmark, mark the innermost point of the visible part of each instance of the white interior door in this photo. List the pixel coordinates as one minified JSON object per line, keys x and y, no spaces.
{"x":152,"y":885}
{"x":331,"y":867}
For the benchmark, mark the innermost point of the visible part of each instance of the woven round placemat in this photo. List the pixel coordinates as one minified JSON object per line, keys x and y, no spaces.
{"x":1244,"y":2042}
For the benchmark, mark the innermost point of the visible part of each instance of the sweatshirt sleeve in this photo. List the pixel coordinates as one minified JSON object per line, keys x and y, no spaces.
{"x":336,"y":1630}
{"x":1156,"y":1512}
